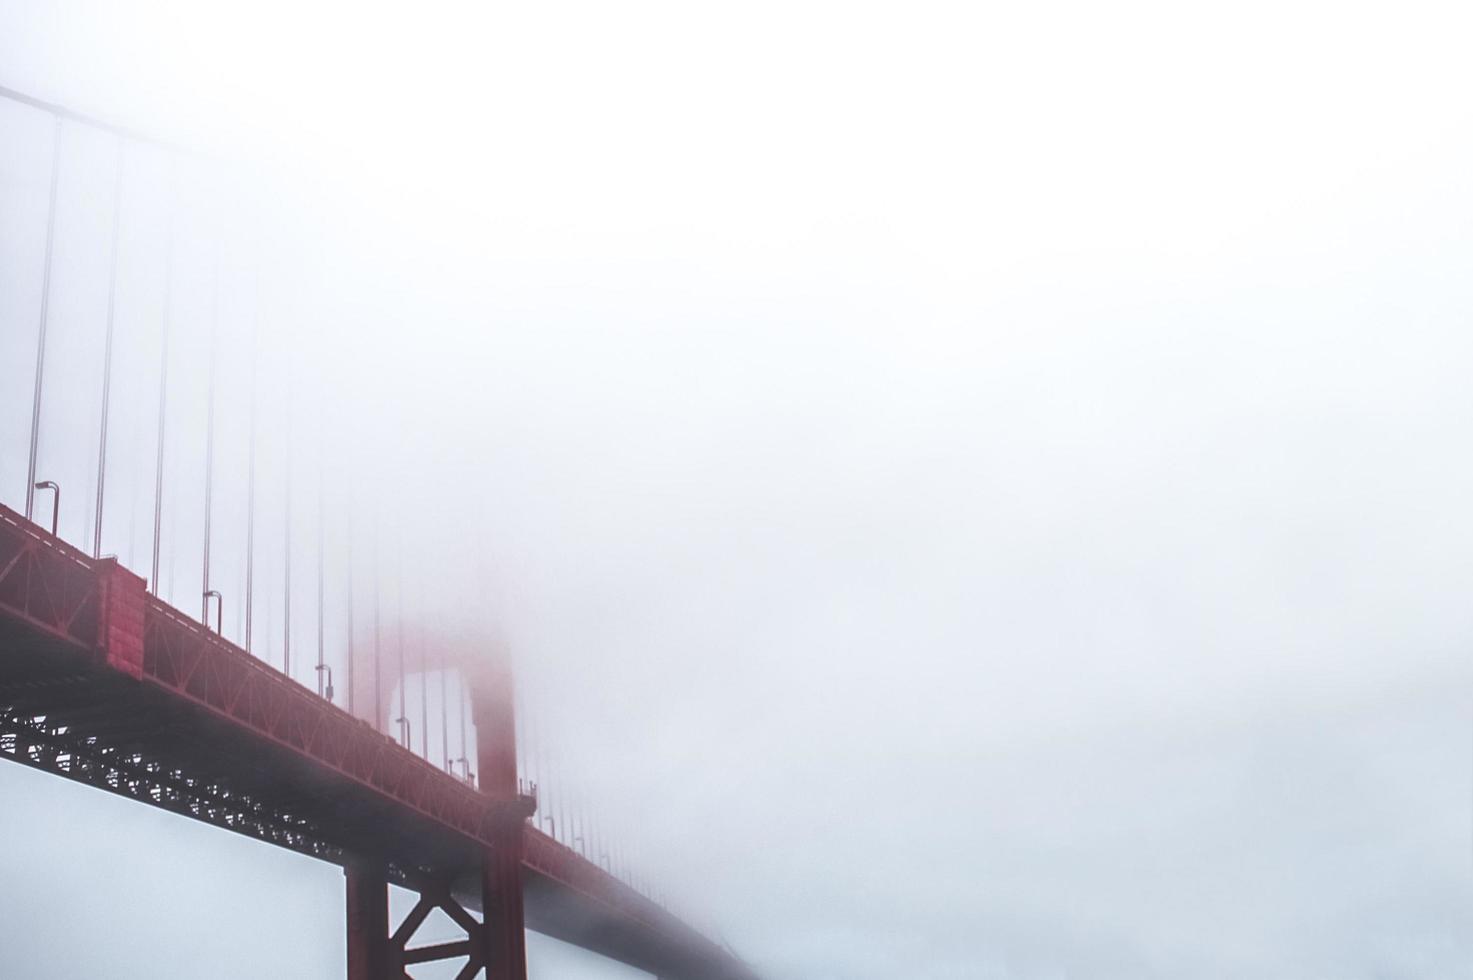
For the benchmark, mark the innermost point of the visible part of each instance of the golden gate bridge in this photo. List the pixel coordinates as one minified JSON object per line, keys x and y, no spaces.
{"x":125,"y":671}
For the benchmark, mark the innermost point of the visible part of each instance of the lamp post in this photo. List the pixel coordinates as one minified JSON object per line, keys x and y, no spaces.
{"x":55,"y":500}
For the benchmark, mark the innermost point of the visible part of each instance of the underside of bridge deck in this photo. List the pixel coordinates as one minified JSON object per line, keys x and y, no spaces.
{"x":106,"y":685}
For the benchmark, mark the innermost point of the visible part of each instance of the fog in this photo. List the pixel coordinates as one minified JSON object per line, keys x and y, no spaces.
{"x":969,"y":490}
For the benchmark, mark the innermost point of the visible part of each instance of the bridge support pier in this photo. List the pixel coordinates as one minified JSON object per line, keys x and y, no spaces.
{"x":496,"y":944}
{"x":368,"y":921}
{"x":493,"y":709}
{"x":504,"y":932}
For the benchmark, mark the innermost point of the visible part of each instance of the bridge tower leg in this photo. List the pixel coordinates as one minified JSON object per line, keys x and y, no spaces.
{"x":504,"y":933}
{"x":495,"y":944}
{"x":369,"y":955}
{"x":498,"y":943}
{"x":493,"y":707}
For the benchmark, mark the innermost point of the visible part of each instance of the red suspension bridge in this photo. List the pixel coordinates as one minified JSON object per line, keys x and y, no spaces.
{"x":106,"y":681}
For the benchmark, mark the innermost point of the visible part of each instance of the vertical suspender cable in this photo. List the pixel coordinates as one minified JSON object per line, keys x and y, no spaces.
{"x":352,"y":677}
{"x":539,"y":759}
{"x":210,"y":429}
{"x":565,"y":804}
{"x":464,"y":758}
{"x":444,"y":704}
{"x":158,"y":474}
{"x":581,"y":817}
{"x":286,"y":623}
{"x":519,"y":738}
{"x":107,"y":354}
{"x":545,"y":794}
{"x":173,"y":529}
{"x":536,"y":763}
{"x":562,"y":802}
{"x":424,"y":693}
{"x":250,"y":569}
{"x":378,"y":669}
{"x":321,"y":649}
{"x":399,"y":633}
{"x":41,"y":329}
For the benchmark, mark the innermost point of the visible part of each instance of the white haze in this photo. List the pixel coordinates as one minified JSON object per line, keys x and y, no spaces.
{"x":973,"y":490}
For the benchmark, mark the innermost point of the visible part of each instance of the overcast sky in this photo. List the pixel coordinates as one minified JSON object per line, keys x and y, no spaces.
{"x":973,"y":490}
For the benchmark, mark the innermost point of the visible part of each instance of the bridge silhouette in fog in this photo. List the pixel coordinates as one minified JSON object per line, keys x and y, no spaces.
{"x":123,"y":669}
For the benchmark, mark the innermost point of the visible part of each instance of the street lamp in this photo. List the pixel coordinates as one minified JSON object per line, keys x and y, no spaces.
{"x":219,"y":604}
{"x":55,"y":500}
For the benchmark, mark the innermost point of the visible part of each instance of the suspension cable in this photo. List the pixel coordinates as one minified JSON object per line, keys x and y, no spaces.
{"x":352,"y":675}
{"x":464,"y":695}
{"x":250,"y":569}
{"x":321,"y":518}
{"x":45,"y":316}
{"x":399,"y":633}
{"x":158,"y":476}
{"x":462,"y":689}
{"x":210,"y":426}
{"x":61,"y":112}
{"x":286,"y":623}
{"x":424,"y":689}
{"x":519,"y":740}
{"x":107,"y":353}
{"x":562,"y":802}
{"x":444,"y":703}
{"x":378,"y":669}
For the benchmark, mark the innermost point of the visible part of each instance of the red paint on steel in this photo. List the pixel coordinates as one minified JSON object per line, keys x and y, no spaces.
{"x":105,"y":684}
{"x":505,"y":935}
{"x":494,"y":714}
{"x":367,"y":886}
{"x":121,"y":597}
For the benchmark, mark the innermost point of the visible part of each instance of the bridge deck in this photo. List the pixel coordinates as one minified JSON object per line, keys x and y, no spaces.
{"x":106,"y":685}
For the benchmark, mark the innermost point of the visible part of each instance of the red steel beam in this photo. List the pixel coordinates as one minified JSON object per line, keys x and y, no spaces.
{"x":368,"y":920}
{"x":79,"y":636}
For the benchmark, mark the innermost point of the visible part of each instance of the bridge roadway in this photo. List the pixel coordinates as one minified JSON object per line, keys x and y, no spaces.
{"x":107,"y":685}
